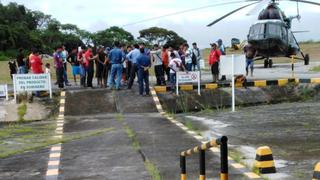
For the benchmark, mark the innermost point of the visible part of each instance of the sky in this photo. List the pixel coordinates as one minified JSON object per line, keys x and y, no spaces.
{"x":95,"y":15}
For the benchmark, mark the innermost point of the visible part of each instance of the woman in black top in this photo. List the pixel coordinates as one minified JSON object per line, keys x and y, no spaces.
{"x":100,"y":63}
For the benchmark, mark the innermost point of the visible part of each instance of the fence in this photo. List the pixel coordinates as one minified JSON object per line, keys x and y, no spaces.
{"x":201,"y":149}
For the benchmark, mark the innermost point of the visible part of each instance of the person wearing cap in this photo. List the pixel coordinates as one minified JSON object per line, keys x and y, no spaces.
{"x":214,"y":59}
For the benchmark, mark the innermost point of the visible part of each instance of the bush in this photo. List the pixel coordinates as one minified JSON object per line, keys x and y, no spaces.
{"x":7,"y":55}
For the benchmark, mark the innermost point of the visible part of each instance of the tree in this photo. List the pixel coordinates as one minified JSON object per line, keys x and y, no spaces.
{"x":161,"y":36}
{"x":114,"y":33}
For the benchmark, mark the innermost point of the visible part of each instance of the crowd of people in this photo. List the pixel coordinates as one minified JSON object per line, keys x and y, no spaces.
{"x":118,"y":67}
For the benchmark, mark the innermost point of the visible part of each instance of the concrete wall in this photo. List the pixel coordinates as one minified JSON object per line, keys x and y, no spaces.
{"x":221,"y":98}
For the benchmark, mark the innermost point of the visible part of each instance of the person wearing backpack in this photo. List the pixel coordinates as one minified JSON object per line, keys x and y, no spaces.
{"x":158,"y":64}
{"x":196,"y":57}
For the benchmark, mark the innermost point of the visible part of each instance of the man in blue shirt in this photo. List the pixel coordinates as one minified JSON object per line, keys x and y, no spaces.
{"x":132,"y":57}
{"x":144,"y":63}
{"x":116,"y":60}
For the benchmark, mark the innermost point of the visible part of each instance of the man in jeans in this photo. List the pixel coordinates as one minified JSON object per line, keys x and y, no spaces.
{"x":158,"y":64}
{"x":21,"y":63}
{"x":144,"y":63}
{"x":58,"y":62}
{"x":116,"y":57}
{"x":132,"y":57}
{"x":196,"y":57}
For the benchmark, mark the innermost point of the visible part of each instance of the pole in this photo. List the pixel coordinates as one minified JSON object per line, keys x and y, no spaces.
{"x":6,"y":88}
{"x":183,"y":174}
{"x":199,"y":84}
{"x":233,"y":88}
{"x":177,"y":83}
{"x":14,"y":88}
{"x":224,"y":158}
{"x":202,"y":159}
{"x":292,"y":65}
{"x":50,"y":86}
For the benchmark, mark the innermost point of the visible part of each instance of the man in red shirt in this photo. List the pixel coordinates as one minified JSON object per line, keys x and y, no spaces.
{"x":36,"y":63}
{"x":165,"y":59}
{"x":214,"y":60}
{"x":88,"y":67}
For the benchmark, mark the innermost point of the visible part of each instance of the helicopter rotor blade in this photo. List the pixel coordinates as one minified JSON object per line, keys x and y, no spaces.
{"x":232,"y":12}
{"x":262,"y":4}
{"x":304,"y":1}
{"x":300,"y":32}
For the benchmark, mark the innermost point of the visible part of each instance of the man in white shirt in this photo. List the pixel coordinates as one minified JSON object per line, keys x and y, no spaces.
{"x":175,"y":66}
{"x":188,"y":57}
{"x":158,"y":64}
{"x":64,"y":54}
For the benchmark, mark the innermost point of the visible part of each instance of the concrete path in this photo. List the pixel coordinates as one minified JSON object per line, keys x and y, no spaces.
{"x":30,"y":165}
{"x":114,"y":155}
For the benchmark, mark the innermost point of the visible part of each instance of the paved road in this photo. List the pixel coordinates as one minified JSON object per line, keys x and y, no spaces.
{"x":111,"y":155}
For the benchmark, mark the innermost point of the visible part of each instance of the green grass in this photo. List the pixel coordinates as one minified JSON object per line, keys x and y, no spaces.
{"x":153,"y":170}
{"x":19,"y":138}
{"x":22,"y":110}
{"x":5,"y":73}
{"x":315,"y":69}
{"x":132,"y":135}
{"x":150,"y":167}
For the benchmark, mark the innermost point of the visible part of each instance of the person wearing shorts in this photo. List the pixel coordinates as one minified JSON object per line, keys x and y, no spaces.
{"x":72,"y":59}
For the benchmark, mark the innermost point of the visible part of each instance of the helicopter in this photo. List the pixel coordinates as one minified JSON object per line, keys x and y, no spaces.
{"x":271,"y":35}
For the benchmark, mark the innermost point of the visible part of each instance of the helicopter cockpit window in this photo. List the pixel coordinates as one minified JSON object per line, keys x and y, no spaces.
{"x":257,"y":31}
{"x":274,"y":30}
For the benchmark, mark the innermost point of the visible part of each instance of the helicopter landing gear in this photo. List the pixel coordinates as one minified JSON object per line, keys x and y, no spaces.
{"x":268,"y":63}
{"x":306,"y":59}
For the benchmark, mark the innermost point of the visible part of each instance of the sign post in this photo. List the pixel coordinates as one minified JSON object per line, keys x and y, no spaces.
{"x":31,"y":82}
{"x":188,"y":77}
{"x":233,"y":65}
{"x":4,"y":91}
{"x":233,"y":87}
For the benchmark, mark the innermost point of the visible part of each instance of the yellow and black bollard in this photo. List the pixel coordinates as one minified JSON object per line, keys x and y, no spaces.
{"x":316,"y":173}
{"x":202,"y":161}
{"x":183,"y":174}
{"x":264,"y":160}
{"x":223,"y":141}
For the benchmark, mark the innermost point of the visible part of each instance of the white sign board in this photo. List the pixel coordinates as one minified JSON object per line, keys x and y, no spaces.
{"x":239,"y":64}
{"x":4,"y":91}
{"x":32,"y":82}
{"x":188,"y":77}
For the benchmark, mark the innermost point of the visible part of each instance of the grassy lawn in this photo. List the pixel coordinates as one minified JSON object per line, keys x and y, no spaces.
{"x":18,"y":138}
{"x":5,"y":73}
{"x":315,"y":69}
{"x":308,"y":48}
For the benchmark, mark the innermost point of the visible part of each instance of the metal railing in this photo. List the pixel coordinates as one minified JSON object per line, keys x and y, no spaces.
{"x":201,"y":149}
